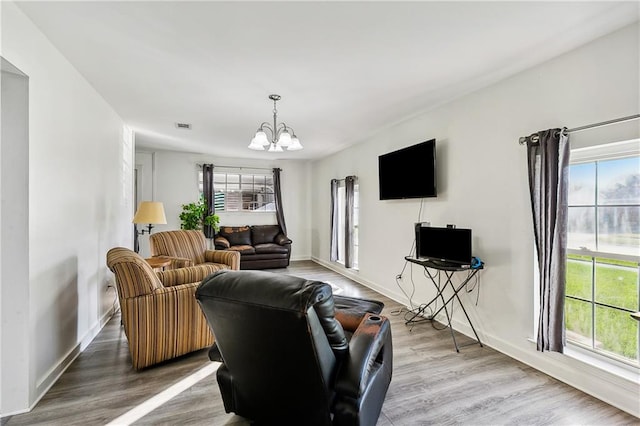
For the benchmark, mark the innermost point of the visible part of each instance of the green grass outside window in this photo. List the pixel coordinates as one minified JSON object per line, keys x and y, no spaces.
{"x":616,"y":284}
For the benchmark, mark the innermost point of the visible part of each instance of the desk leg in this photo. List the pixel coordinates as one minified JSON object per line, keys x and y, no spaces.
{"x":446,"y":311}
{"x":451,"y":300}
{"x":469,"y":321}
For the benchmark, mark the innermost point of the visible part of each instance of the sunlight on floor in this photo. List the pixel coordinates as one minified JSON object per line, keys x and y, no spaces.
{"x":166,"y":395}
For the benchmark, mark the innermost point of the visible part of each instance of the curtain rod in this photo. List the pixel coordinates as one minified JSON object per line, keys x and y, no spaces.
{"x":523,"y":139}
{"x":236,"y":167}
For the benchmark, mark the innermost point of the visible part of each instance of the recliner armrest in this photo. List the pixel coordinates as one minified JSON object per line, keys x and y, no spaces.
{"x":282,"y":239}
{"x":370,"y":343}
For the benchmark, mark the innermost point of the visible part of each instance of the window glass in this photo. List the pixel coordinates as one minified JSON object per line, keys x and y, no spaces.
{"x":581,"y":228}
{"x":619,"y":181}
{"x":616,"y":283}
{"x":619,"y":230}
{"x":578,"y":316}
{"x":616,"y":333}
{"x":235,"y":192}
{"x":582,"y":184}
{"x":579,"y":273}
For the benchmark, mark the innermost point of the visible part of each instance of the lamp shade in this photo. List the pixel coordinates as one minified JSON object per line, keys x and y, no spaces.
{"x":285,"y":138}
{"x":260,"y":138}
{"x":150,"y":212}
{"x":255,"y":145}
{"x":295,"y":144}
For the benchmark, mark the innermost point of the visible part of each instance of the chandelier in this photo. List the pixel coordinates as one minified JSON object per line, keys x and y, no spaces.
{"x":282,"y":136}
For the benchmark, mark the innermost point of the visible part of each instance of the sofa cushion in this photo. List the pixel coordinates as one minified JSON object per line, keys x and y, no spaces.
{"x":270,"y":248}
{"x":236,"y":235}
{"x":243,"y":249}
{"x":262,"y":234}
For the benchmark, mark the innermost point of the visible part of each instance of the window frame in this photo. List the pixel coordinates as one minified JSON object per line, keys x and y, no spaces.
{"x":241,"y":177}
{"x":595,"y":154}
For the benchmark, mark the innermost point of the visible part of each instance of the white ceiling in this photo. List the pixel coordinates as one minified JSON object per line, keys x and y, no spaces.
{"x":344,"y":69}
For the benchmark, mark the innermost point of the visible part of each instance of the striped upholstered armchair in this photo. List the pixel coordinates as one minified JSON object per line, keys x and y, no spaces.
{"x":160,"y":315}
{"x":189,"y":248}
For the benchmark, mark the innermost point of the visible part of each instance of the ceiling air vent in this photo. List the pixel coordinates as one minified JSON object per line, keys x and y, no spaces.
{"x":186,"y":126}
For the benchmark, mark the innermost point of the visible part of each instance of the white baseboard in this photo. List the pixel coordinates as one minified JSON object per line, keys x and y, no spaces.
{"x":398,"y":297}
{"x":298,"y":258}
{"x":620,"y":392}
{"x":54,"y":373}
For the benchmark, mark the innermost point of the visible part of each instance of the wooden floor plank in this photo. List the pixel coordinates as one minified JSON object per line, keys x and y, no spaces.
{"x":432,"y":384}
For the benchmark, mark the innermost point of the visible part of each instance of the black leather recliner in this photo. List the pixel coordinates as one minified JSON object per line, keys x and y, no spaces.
{"x":286,"y":358}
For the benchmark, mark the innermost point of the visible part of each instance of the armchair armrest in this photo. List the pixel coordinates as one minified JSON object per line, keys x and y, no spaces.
{"x":231,"y":258}
{"x":181,"y":276}
{"x":221,"y":243}
{"x":369,"y":345}
{"x":282,"y":239}
{"x":178,"y":262}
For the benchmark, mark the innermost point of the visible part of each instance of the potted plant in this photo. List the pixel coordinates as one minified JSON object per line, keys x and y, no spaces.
{"x":193,"y":216}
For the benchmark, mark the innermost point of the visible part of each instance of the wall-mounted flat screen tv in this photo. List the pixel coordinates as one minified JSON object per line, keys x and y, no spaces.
{"x":409,"y":172}
{"x":448,"y":245}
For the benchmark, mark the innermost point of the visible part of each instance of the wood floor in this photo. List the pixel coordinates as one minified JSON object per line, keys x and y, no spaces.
{"x":432,"y":384}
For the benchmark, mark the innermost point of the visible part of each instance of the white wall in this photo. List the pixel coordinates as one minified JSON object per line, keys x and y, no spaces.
{"x":176,"y":183}
{"x":482,"y":184}
{"x":80,"y":191}
{"x":14,"y":241}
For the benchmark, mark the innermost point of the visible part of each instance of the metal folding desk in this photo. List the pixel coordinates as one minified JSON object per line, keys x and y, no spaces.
{"x":449,"y":270}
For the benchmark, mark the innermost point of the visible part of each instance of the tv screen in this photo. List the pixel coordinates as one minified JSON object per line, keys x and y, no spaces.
{"x":409,"y":172}
{"x":449,"y":245}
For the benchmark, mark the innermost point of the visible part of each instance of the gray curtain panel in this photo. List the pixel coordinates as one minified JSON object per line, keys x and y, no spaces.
{"x":277,"y":192}
{"x":207,"y":190}
{"x":350,"y":182}
{"x":334,"y":221}
{"x":548,"y":160}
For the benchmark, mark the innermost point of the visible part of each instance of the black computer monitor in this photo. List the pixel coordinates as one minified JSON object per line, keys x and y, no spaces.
{"x":448,"y":245}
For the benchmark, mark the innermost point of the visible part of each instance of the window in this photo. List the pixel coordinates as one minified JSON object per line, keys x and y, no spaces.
{"x":241,"y":192}
{"x":604,"y":251}
{"x":341,"y":222}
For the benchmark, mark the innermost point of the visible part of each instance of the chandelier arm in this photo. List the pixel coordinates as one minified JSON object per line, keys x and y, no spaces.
{"x":268,"y":127}
{"x":281,"y":127}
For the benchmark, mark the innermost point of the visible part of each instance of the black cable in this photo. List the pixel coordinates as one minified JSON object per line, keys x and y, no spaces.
{"x":476,"y":284}
{"x":412,"y":251}
{"x":413,"y":285}
{"x":115,"y":299}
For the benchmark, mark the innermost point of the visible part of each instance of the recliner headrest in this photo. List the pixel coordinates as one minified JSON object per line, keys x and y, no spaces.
{"x":277,"y":291}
